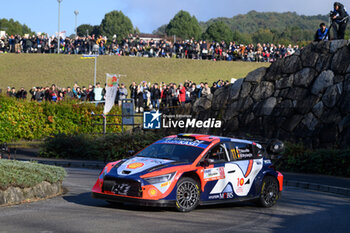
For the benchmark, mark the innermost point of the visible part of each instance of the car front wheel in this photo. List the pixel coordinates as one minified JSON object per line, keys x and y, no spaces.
{"x":269,"y":192}
{"x":187,"y":194}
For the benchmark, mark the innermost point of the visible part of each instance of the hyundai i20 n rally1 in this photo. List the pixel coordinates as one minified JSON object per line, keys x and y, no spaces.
{"x":188,"y":170}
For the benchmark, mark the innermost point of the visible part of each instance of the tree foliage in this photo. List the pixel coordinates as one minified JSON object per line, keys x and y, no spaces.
{"x":218,"y":31}
{"x":116,"y":23}
{"x":263,"y":36}
{"x":14,"y":27}
{"x":87,"y":29}
{"x":184,"y":25}
{"x":255,"y":27}
{"x":84,"y":29}
{"x":160,"y":31}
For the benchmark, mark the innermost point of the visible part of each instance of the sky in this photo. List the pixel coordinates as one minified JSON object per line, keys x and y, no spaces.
{"x":147,"y":15}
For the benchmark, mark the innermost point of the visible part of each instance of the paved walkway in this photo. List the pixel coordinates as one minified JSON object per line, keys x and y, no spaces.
{"x":332,"y":184}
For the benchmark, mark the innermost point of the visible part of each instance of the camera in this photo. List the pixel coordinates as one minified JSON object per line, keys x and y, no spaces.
{"x":332,"y":14}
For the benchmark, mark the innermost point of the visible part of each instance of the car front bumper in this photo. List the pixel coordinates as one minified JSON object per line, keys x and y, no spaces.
{"x":135,"y":201}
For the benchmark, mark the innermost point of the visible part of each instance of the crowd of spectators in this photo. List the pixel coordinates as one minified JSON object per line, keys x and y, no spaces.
{"x":136,"y":46}
{"x":146,"y":96}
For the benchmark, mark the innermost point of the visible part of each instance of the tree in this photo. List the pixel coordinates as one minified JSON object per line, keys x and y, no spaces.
{"x":218,"y":31}
{"x":160,"y":31}
{"x":84,"y":29}
{"x":136,"y":31}
{"x":263,"y":36}
{"x":116,"y":23}
{"x":184,"y":25}
{"x":14,"y":27}
{"x":241,"y":38}
{"x":87,"y":29}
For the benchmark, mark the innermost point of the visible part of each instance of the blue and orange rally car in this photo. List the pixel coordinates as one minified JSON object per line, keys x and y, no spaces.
{"x":187,"y":170}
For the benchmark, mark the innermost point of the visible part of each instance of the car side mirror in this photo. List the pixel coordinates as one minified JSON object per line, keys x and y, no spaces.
{"x":206,"y":162}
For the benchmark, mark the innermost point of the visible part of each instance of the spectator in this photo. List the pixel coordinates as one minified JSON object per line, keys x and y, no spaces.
{"x":69,"y":93}
{"x":182,"y":93}
{"x":122,"y":93}
{"x":321,"y":33}
{"x":340,"y":19}
{"x":98,"y":92}
{"x":206,"y":90}
{"x":13,"y":92}
{"x":155,"y":96}
{"x":133,"y":91}
{"x":139,"y":99}
{"x":21,"y":94}
{"x":8,"y":92}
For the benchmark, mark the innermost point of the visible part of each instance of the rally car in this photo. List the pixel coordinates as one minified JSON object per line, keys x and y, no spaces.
{"x":188,"y":170}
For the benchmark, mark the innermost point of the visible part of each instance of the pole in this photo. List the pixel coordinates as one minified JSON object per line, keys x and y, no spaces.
{"x":104,"y":124}
{"x":76,"y":22}
{"x":59,"y":30}
{"x":95,"y":70}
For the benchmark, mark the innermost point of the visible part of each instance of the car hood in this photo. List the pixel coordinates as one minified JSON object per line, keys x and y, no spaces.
{"x":138,"y":164}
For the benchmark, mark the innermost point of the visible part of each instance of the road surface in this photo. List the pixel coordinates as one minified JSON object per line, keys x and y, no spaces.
{"x":297,"y":211}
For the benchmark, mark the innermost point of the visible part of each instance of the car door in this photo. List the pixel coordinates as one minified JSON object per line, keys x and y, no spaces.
{"x":215,"y":174}
{"x":246,"y":163}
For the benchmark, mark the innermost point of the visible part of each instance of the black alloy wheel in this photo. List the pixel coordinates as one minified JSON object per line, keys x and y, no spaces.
{"x":187,"y":194}
{"x":269,"y":192}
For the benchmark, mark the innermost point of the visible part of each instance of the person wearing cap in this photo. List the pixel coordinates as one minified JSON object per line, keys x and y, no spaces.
{"x":340,"y":19}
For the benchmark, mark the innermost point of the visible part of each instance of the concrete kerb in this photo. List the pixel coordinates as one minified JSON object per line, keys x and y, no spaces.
{"x":318,"y":187}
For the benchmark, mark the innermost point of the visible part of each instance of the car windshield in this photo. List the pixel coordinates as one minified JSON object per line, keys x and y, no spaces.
{"x":175,"y":152}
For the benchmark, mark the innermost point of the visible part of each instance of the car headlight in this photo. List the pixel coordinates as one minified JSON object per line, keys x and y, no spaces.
{"x":160,"y":179}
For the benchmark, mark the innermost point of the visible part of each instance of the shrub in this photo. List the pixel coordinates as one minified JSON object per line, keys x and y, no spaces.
{"x":333,"y":162}
{"x":27,"y":174}
{"x":104,"y":147}
{"x":33,"y":120}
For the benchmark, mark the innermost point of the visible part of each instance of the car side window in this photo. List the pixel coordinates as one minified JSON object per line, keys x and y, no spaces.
{"x":219,"y":153}
{"x":241,"y":151}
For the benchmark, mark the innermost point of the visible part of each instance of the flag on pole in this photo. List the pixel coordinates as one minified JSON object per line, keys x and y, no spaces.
{"x":111,"y":92}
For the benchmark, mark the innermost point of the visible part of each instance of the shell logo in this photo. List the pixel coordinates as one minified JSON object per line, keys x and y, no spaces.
{"x":135,"y":165}
{"x":152,"y":192}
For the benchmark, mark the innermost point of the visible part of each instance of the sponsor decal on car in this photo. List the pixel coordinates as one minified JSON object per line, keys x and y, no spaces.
{"x":135,"y":165}
{"x":216,"y":173}
{"x":184,"y":141}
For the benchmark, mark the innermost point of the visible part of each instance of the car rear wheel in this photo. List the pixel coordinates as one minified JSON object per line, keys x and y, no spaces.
{"x":187,"y":194}
{"x":269,"y":192}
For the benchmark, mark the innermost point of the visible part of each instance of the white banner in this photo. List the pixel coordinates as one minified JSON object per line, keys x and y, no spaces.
{"x":111,"y":92}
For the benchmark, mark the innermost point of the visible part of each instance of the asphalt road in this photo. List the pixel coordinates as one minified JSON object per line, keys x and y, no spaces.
{"x":297,"y":211}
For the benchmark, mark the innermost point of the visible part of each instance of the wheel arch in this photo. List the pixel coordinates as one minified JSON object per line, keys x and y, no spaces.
{"x":193,"y":175}
{"x":274,"y":175}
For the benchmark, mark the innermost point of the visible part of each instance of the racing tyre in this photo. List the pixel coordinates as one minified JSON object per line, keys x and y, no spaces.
{"x":269,"y":192}
{"x":187,"y":194}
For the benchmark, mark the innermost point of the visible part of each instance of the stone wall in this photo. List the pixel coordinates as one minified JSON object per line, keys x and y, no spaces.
{"x":15,"y":195}
{"x":304,"y":97}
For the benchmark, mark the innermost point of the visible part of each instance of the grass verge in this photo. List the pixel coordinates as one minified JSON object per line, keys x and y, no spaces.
{"x":30,"y":70}
{"x":27,"y":174}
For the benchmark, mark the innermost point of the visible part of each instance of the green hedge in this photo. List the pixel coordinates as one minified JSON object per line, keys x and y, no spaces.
{"x":27,"y":174}
{"x":32,"y":120}
{"x":116,"y":146}
{"x":333,"y":162}
{"x":104,"y":147}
